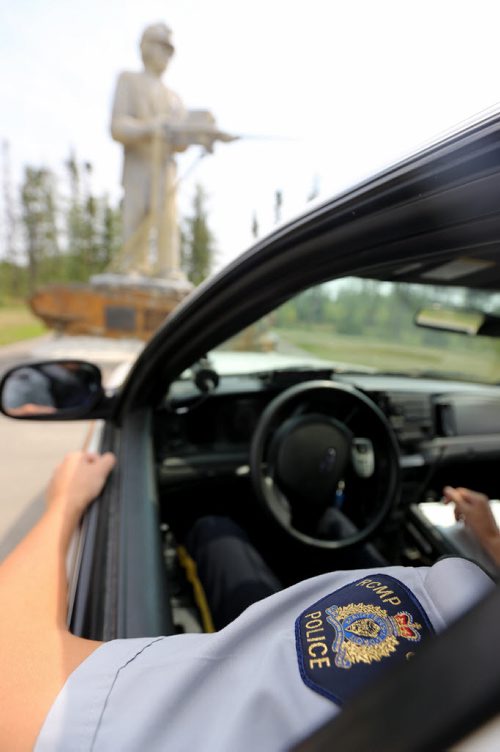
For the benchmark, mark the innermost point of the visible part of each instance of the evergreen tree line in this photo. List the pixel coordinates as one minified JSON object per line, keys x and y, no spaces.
{"x":69,"y":234}
{"x":54,"y":235}
{"x":386,"y":311}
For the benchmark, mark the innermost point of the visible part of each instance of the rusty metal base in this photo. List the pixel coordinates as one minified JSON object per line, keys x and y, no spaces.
{"x":110,"y":306}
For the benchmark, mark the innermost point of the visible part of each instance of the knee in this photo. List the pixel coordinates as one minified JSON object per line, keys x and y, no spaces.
{"x":210,"y":528}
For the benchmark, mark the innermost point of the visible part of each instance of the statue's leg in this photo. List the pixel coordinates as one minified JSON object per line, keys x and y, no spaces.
{"x":168,"y":263}
{"x":136,"y":218}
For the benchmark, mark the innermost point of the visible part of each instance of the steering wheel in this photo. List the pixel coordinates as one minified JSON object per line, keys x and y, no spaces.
{"x":324,"y":450}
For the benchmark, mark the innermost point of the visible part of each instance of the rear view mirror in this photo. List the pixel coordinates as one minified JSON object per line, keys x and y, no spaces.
{"x":450,"y":320}
{"x":459,"y":321}
{"x":54,"y":390}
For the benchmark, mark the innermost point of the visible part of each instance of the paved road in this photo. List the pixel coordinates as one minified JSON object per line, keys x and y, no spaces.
{"x":30,"y":450}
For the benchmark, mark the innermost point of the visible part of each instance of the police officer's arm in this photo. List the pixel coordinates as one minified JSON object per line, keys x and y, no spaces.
{"x":37,"y":653}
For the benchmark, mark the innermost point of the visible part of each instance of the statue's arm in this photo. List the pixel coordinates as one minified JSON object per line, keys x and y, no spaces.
{"x":180,"y":128}
{"x":127,"y":128}
{"x":197,"y":127}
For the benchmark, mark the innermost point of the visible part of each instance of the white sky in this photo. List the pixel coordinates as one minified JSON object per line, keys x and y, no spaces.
{"x":350,"y":86}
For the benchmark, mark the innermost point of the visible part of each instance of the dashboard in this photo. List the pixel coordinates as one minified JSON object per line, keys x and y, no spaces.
{"x":448,"y":432}
{"x":431,"y":418}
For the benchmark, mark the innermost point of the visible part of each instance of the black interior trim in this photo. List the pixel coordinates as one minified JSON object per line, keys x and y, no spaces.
{"x":143,"y":598}
{"x":93,"y":590}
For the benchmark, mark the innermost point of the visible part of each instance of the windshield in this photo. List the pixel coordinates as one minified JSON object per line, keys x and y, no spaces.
{"x":367,"y":325}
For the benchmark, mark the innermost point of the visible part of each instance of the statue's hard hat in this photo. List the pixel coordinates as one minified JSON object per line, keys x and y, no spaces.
{"x":158,"y":32}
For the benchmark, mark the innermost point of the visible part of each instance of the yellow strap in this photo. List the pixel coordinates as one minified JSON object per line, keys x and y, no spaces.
{"x":189,"y":566}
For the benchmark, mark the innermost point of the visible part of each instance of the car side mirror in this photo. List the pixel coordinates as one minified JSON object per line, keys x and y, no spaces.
{"x":51,"y":390}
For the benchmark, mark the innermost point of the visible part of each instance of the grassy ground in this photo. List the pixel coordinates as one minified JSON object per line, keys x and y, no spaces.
{"x":465,"y":358}
{"x":17,"y":323}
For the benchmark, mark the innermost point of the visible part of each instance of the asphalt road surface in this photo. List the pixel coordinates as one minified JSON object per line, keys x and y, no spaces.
{"x":31,"y":450}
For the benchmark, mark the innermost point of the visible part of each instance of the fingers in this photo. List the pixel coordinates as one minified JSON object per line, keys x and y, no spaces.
{"x":462,"y":495}
{"x":78,"y":480}
{"x":462,"y":499}
{"x":471,"y":507}
{"x":107,"y":461}
{"x":81,"y":471}
{"x":474,"y":497}
{"x":453,"y":494}
{"x":101,"y":463}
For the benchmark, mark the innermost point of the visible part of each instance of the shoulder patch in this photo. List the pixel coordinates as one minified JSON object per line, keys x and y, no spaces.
{"x":351,"y":635}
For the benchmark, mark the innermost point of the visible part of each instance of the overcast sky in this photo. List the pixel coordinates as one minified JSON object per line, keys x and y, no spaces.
{"x":343,"y":87}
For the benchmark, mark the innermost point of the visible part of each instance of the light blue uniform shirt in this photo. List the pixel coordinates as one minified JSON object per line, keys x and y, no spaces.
{"x":238,"y":689}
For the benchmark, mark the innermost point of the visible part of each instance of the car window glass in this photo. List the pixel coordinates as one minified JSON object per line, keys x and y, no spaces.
{"x":362,"y":324}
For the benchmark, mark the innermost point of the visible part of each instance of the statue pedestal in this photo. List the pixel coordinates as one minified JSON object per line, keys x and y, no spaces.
{"x":111,"y":305}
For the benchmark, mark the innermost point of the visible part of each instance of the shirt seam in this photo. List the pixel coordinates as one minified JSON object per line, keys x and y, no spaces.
{"x":115,"y":679}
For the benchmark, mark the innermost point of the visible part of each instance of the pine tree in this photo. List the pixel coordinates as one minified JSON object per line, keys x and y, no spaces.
{"x":278,"y":205}
{"x":110,"y":233}
{"x":10,"y":280}
{"x":77,"y":264}
{"x":197,"y":241}
{"x":38,"y":213}
{"x":93,"y":225}
{"x":255,"y":226}
{"x":314,"y":192}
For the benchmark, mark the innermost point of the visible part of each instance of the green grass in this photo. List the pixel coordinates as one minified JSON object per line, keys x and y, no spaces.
{"x":18,"y":323}
{"x":465,"y":358}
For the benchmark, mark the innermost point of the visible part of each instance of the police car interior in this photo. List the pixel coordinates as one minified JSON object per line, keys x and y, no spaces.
{"x":367,"y":398}
{"x":320,"y":391}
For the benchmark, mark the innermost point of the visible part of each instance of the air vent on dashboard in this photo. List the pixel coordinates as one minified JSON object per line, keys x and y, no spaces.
{"x":468,"y":413}
{"x":445,"y":419}
{"x":410,"y":415}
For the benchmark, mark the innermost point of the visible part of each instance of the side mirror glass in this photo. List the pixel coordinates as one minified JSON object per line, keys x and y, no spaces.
{"x":51,"y":390}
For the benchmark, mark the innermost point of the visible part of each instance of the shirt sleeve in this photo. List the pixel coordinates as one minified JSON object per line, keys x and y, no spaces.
{"x":244,"y":687}
{"x":73,"y":721}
